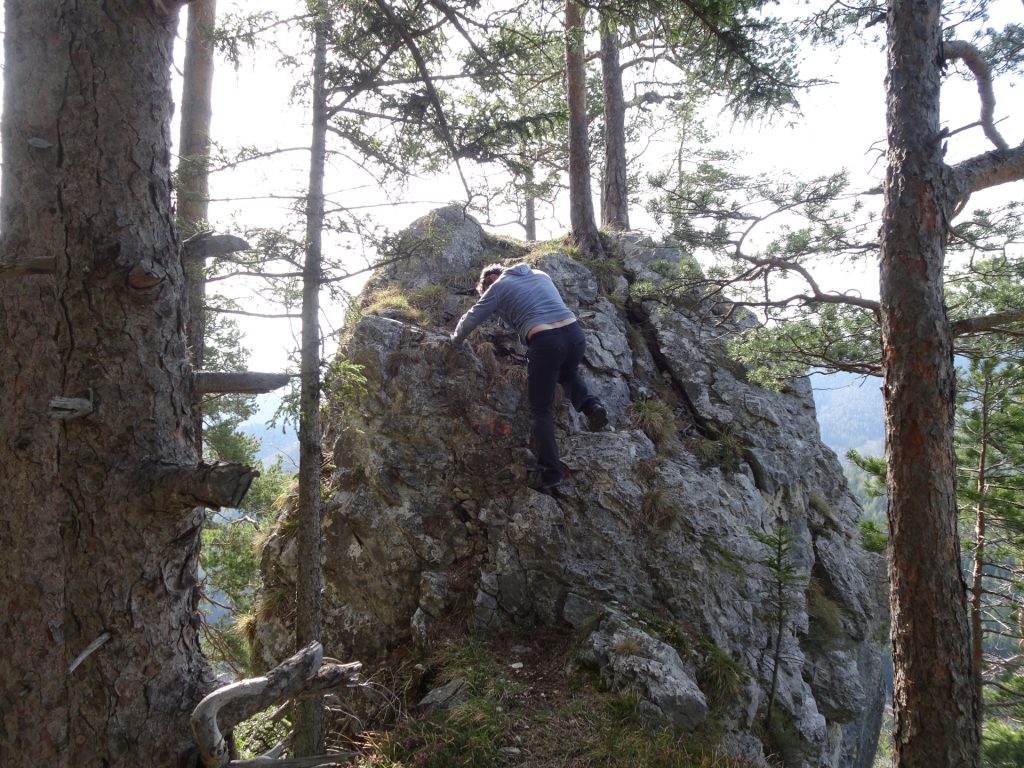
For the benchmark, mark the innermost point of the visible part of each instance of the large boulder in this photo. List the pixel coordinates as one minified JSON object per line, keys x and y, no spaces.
{"x":655,"y":552}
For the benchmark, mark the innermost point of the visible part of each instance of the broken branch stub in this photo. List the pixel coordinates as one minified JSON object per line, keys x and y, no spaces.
{"x":216,"y":485}
{"x":243,"y":382}
{"x":44,"y":266}
{"x":208,"y":245}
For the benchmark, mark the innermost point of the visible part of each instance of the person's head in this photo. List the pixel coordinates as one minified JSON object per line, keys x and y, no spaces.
{"x":488,"y":275}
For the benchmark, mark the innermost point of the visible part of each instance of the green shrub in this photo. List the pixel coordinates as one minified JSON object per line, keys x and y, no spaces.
{"x":784,"y":741}
{"x":393,"y":299}
{"x":721,"y":677}
{"x":724,"y":451}
{"x":606,"y":271}
{"x":659,"y":509}
{"x":1002,"y":745}
{"x":430,"y":301}
{"x":818,"y":503}
{"x":872,"y":537}
{"x":825,"y":629}
{"x":543,"y":726}
{"x":642,"y":290}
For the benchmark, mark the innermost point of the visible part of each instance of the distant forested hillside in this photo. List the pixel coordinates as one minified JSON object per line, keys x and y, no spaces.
{"x":850,"y":413}
{"x":850,"y":416}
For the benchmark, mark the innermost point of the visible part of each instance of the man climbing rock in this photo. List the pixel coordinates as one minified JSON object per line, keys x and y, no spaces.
{"x":528,"y":300}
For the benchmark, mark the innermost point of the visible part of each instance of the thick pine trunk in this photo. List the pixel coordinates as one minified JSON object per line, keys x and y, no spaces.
{"x":936,"y":709}
{"x":98,"y":551}
{"x":581,"y":203}
{"x":615,"y":189}
{"x":33,"y":702}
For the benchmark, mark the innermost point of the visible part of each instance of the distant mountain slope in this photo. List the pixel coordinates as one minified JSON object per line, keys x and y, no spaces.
{"x":274,"y":441}
{"x":850,"y":413}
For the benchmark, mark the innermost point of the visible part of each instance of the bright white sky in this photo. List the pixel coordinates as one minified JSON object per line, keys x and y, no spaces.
{"x":844,"y":127}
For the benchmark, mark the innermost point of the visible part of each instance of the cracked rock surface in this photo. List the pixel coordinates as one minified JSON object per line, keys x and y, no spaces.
{"x":648,"y":552}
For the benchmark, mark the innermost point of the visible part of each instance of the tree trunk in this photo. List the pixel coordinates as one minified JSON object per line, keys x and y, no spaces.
{"x":980,"y":544}
{"x":978,"y":581}
{"x":194,"y":170}
{"x":615,"y":190}
{"x":581,"y":203}
{"x":309,"y":726}
{"x":936,"y":710}
{"x":530,"y":206}
{"x":102,"y":663}
{"x":33,"y":704}
{"x":193,"y":190}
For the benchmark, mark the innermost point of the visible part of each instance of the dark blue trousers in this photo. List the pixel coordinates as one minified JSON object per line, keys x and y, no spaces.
{"x":553,"y":357}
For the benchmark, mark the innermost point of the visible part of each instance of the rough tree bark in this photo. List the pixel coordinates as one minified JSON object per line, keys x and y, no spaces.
{"x":937,"y":718}
{"x":99,"y":548}
{"x":309,"y":726}
{"x":581,"y":203}
{"x":33,"y":706}
{"x":615,"y":187}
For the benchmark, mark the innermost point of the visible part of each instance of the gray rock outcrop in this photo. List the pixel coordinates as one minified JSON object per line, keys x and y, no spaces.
{"x":655,"y":550}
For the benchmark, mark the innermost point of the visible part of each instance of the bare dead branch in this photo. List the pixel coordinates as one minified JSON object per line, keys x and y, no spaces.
{"x":211,"y":485}
{"x":302,"y":675}
{"x":67,"y":408}
{"x":89,"y":650}
{"x":208,"y":245}
{"x":993,"y":322}
{"x":268,"y":315}
{"x":10,"y":270}
{"x":971,"y":56}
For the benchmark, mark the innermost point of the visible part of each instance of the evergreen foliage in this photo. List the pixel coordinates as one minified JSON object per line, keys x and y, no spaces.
{"x":990,"y":460}
{"x":781,"y":598}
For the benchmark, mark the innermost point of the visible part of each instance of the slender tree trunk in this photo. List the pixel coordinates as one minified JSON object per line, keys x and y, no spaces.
{"x":936,"y":709}
{"x":530,"y":205}
{"x":193,"y":191}
{"x":978,"y":593}
{"x":978,"y":576}
{"x":773,"y":686}
{"x":615,"y":190}
{"x":309,"y":727}
{"x":581,"y":203}
{"x":99,"y":529}
{"x":194,"y":169}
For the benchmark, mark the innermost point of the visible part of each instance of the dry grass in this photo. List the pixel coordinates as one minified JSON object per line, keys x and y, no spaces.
{"x":533,"y":716}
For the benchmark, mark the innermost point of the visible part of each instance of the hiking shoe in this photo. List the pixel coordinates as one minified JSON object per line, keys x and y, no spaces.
{"x":597,"y":418}
{"x":538,"y":482}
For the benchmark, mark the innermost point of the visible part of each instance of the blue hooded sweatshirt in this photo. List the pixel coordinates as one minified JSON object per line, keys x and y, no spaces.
{"x":522,"y":297}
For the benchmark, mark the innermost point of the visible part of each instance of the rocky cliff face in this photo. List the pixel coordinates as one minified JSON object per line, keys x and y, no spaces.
{"x":704,"y":549}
